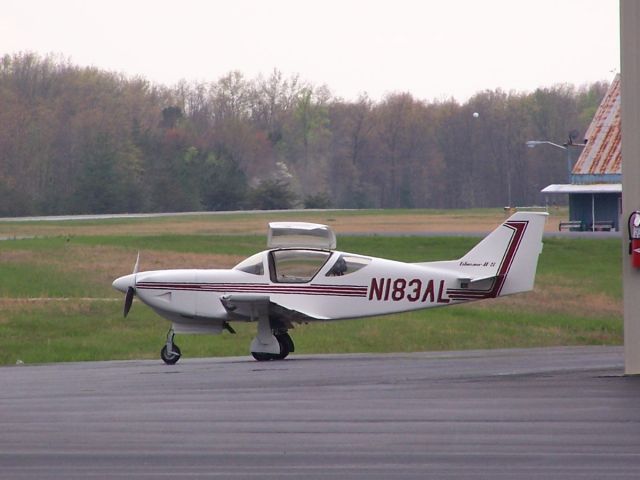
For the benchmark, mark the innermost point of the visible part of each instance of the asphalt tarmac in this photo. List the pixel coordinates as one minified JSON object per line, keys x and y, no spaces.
{"x":563,"y":413}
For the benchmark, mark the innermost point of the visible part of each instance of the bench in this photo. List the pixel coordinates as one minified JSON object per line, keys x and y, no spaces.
{"x":603,"y":226}
{"x":571,"y":226}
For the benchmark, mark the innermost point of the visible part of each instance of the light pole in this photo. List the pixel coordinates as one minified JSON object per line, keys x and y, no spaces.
{"x":565,"y":147}
{"x":535,"y":143}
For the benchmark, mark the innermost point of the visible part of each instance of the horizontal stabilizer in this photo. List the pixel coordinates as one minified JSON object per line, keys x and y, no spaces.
{"x":479,"y":282}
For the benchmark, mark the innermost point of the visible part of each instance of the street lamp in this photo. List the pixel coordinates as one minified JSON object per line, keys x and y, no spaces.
{"x":565,"y":147}
{"x":535,"y":143}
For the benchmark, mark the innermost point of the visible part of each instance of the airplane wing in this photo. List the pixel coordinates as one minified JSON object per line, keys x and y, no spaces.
{"x":246,"y":307}
{"x":252,"y":307}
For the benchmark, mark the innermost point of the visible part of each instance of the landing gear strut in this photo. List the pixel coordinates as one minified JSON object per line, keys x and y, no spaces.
{"x":170,"y":353}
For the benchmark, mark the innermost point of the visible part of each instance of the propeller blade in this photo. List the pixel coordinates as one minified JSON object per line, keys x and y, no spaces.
{"x":135,"y":267}
{"x":128,"y":300}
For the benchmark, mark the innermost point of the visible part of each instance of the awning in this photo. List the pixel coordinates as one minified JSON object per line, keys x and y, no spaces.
{"x":592,"y":188}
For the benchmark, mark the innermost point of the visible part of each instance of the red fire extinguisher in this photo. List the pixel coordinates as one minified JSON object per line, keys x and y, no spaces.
{"x":634,"y":238}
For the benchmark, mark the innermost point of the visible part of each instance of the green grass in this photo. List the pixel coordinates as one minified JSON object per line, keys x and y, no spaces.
{"x":223,"y":244}
{"x":75,"y":331}
{"x":584,"y":264}
{"x":24,"y":280}
{"x":97,"y":331}
{"x":585,"y":271}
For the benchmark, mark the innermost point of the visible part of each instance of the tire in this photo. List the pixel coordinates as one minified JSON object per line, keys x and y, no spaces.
{"x":286,"y":347}
{"x":170,"y":359}
{"x":263,"y":357}
{"x":284,"y":341}
{"x":287,"y":340}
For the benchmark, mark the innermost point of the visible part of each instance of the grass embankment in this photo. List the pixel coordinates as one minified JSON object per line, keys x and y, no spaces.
{"x":242,"y":223}
{"x":56,"y":301}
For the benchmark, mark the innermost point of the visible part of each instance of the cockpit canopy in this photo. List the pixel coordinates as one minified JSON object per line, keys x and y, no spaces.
{"x":301,"y":265}
{"x":253,"y":265}
{"x":300,"y":235}
{"x":299,"y":252}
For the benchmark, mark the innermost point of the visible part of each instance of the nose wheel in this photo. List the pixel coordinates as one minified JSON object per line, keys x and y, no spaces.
{"x":170,"y":353}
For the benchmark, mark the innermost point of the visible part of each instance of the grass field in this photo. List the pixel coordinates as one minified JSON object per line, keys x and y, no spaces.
{"x":56,"y":301}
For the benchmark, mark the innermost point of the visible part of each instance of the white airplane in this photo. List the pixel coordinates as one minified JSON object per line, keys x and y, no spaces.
{"x":302,"y":278}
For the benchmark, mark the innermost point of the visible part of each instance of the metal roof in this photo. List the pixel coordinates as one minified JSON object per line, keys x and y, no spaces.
{"x":603,"y":155}
{"x":593,"y":188}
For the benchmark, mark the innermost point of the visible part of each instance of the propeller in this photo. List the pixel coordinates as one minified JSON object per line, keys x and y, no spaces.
{"x":131,"y":291}
{"x":128,"y":300}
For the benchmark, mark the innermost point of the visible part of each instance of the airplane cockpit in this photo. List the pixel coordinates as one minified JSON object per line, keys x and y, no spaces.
{"x":300,"y":265}
{"x":300,"y":251}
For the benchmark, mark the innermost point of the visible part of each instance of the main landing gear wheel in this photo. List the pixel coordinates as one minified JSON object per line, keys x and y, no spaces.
{"x":263,"y":357}
{"x":170,"y":353}
{"x":286,"y":347}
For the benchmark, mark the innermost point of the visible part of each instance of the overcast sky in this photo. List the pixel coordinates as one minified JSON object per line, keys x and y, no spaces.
{"x":433,"y":49}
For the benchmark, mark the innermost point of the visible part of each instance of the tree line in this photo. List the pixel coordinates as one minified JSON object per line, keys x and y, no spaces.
{"x":84,"y":140}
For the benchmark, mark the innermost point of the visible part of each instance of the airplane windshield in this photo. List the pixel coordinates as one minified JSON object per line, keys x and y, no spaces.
{"x":297,"y":266}
{"x":254,"y":265}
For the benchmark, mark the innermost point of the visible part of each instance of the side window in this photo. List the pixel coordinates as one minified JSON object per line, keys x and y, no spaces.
{"x":346,"y":264}
{"x":253,"y":265}
{"x":297,"y":266}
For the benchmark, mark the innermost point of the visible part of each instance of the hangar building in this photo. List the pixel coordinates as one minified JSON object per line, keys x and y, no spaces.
{"x":595,"y":191}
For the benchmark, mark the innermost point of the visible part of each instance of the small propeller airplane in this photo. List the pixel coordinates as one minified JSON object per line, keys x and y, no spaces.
{"x":303,"y":278}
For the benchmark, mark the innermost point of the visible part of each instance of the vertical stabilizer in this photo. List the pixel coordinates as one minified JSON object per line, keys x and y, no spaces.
{"x":504,"y":262}
{"x":521,"y":239}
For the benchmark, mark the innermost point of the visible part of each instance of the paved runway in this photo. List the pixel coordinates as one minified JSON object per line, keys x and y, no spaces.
{"x":539,"y":413}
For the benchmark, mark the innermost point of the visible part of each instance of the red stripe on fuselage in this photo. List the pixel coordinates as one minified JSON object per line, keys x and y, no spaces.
{"x":316,"y":289}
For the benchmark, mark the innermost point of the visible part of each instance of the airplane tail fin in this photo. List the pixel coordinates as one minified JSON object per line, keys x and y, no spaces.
{"x":504,"y":262}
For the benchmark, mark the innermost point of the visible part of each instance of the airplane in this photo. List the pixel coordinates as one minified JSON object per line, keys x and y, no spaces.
{"x":302,"y":278}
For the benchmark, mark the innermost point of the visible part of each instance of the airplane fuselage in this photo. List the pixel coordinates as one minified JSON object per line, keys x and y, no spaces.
{"x":381,"y":287}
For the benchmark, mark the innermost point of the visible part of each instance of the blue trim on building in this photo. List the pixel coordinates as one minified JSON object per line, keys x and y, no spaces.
{"x":581,"y":179}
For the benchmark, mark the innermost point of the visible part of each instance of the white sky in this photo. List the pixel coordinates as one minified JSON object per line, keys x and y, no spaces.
{"x":433,"y":49}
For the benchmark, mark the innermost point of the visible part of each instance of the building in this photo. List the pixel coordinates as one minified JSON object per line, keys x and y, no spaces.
{"x":595,"y":191}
